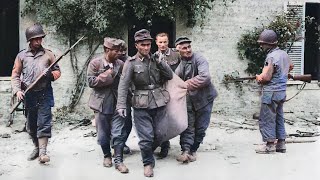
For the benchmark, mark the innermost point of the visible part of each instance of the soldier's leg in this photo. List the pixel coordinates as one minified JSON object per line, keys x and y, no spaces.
{"x":118,"y":134}
{"x":280,"y":125}
{"x":267,"y":126}
{"x":31,"y":124}
{"x":128,"y":127}
{"x":103,"y":126}
{"x":44,"y":127}
{"x":187,"y":136}
{"x":144,"y":127}
{"x":202,"y":122}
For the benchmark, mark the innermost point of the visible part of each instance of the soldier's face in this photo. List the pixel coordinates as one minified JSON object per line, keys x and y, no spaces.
{"x":35,"y":43}
{"x":144,"y":47}
{"x":185,"y":50}
{"x":162,"y":43}
{"x":112,"y":54}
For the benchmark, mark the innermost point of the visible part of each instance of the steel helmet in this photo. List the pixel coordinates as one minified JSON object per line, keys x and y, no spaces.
{"x":34,"y":31}
{"x":268,"y":37}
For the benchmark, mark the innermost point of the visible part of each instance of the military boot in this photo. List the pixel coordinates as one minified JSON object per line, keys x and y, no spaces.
{"x":148,"y":170}
{"x":126,"y":150}
{"x":192,"y":156}
{"x":183,"y":157}
{"x":269,"y":148}
{"x":165,"y":146}
{"x":118,"y":160}
{"x":35,"y":152}
{"x":281,"y":146}
{"x":43,"y":157}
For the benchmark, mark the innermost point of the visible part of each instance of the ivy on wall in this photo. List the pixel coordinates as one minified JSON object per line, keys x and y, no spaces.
{"x":248,"y":47}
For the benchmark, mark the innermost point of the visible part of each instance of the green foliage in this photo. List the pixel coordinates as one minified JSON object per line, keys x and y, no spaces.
{"x":249,"y":49}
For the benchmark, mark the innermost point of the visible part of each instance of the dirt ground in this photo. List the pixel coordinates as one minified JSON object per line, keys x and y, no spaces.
{"x":227,"y":153}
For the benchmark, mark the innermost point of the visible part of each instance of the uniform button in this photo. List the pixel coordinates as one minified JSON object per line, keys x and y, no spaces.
{"x":152,"y":91}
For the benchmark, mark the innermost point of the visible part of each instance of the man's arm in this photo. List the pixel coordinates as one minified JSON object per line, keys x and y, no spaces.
{"x":266,"y":74}
{"x":124,"y":84}
{"x":15,"y":76}
{"x":203,"y":78}
{"x":98,"y":80}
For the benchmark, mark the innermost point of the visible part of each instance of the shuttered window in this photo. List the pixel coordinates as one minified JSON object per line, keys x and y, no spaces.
{"x":296,"y":52}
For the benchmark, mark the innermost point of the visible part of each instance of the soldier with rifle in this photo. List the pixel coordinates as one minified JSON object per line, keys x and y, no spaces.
{"x":29,"y":65}
{"x":273,"y":78}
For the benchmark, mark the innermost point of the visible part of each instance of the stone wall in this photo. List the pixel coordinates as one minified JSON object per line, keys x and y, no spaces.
{"x":216,"y":40}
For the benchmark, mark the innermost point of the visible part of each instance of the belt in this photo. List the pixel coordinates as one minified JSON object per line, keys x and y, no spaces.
{"x":148,"y":87}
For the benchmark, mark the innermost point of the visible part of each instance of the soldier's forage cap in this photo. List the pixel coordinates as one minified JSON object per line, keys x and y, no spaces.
{"x":182,"y":39}
{"x":123,"y":45}
{"x":142,"y":35}
{"x":111,"y":43}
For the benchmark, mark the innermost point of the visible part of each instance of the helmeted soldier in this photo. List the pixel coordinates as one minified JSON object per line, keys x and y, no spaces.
{"x":194,"y":70}
{"x":172,"y":58}
{"x":29,"y":64}
{"x":147,"y":73}
{"x":103,"y":77}
{"x":273,"y":78}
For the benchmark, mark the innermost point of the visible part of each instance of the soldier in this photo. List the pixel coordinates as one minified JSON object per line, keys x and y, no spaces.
{"x":273,"y":78}
{"x":147,"y":73}
{"x":194,"y":70}
{"x":172,"y":58}
{"x":28,"y":66}
{"x":128,"y":124}
{"x":103,"y":77}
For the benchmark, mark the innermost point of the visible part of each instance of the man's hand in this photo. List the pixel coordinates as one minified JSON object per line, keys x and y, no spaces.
{"x":20,"y":95}
{"x":259,"y":78}
{"x":122,"y":112}
{"x":48,"y":74}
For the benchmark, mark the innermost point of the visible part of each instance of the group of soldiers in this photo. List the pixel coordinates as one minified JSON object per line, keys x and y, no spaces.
{"x":123,"y":85}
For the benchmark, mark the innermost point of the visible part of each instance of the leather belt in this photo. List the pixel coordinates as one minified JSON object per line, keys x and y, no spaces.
{"x":147,"y":87}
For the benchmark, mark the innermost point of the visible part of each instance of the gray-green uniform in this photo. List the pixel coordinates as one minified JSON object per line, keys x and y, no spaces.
{"x":149,"y":99}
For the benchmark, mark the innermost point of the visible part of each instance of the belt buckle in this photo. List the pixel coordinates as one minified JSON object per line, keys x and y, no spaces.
{"x":151,"y":86}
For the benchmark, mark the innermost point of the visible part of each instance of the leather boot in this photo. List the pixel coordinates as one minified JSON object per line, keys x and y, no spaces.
{"x":43,"y":157}
{"x":126,"y":150}
{"x":183,"y":157}
{"x":269,"y":148}
{"x":148,"y":170}
{"x":35,"y":152}
{"x":281,"y":146}
{"x":118,"y":160}
{"x":192,"y":156}
{"x":107,"y":162}
{"x":165,"y":146}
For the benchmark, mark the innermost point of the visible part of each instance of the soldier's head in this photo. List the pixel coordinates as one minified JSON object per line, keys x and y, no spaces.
{"x":123,"y":49}
{"x":111,"y":48}
{"x":183,"y":45}
{"x":162,"y":41}
{"x":268,"y":39}
{"x":143,"y":41}
{"x":34,"y":35}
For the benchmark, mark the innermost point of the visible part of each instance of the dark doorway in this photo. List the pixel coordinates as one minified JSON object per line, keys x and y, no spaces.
{"x":311,"y":53}
{"x":9,"y":35}
{"x":157,"y":25}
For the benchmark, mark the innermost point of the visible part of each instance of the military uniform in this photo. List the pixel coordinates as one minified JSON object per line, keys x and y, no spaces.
{"x":103,"y":99}
{"x":29,"y":65}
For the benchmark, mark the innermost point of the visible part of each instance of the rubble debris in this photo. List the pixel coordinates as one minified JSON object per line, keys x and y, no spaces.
{"x":83,"y":122}
{"x":90,"y":134}
{"x":5,"y":135}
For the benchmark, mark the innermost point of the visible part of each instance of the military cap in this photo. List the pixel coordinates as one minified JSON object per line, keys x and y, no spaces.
{"x":111,"y":43}
{"x":141,"y":35}
{"x":182,"y":39}
{"x":123,"y":45}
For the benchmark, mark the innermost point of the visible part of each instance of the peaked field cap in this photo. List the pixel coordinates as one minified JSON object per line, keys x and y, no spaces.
{"x":141,"y":35}
{"x":182,"y":39}
{"x":111,"y":43}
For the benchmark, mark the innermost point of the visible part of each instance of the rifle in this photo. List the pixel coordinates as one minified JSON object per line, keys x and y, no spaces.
{"x":14,"y":107}
{"x":305,"y":78}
